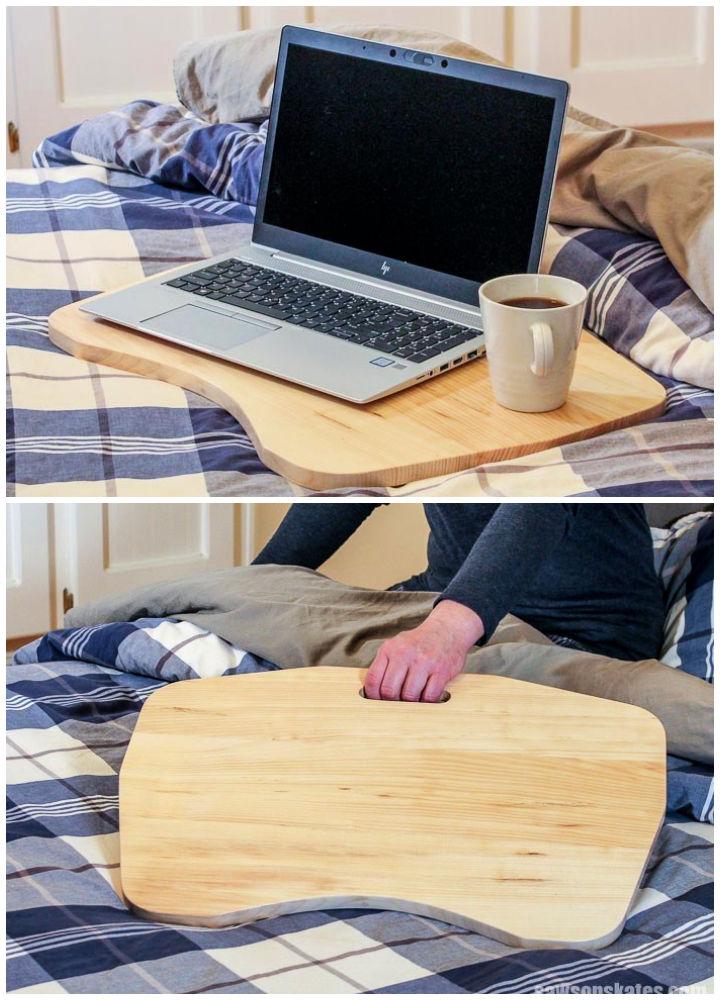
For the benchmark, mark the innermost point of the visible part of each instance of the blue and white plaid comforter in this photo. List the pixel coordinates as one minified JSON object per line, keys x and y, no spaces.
{"x":149,"y":187}
{"x":163,"y":648}
{"x":172,"y":650}
{"x":69,"y":724}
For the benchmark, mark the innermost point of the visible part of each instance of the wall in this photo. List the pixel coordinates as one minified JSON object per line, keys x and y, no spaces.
{"x":391,"y":544}
{"x":68,"y":552}
{"x":62,"y":554}
{"x":388,"y":547}
{"x":633,"y":65}
{"x":90,"y":549}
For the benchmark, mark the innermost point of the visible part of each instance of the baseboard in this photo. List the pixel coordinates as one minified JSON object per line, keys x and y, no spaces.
{"x":20,"y":640}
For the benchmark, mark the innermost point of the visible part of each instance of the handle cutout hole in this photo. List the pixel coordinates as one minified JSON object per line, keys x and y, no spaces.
{"x":441,"y":701}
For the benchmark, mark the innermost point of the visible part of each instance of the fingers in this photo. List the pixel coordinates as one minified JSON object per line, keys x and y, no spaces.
{"x":434,"y":688}
{"x":414,"y":683}
{"x":387,"y":677}
{"x":392,"y":682}
{"x":405,"y":669}
{"x":374,"y":676}
{"x":395,"y":681}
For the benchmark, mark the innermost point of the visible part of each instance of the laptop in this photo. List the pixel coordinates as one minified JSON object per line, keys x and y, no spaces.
{"x":394,"y":183}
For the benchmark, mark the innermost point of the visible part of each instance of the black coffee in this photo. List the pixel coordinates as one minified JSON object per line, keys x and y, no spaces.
{"x":533,"y":302}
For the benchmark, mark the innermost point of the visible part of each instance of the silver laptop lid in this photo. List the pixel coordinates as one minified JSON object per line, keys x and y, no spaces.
{"x":430,"y":172}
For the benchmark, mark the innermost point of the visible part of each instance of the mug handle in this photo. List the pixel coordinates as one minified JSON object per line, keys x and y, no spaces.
{"x":543,"y":346}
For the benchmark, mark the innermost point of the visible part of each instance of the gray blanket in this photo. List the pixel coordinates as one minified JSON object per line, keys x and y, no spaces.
{"x":298,"y":618}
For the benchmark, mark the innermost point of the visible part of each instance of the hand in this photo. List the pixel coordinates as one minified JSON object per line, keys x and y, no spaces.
{"x":418,"y":664}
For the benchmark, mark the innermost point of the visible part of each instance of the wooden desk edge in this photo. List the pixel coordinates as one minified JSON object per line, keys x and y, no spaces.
{"x":318,"y":478}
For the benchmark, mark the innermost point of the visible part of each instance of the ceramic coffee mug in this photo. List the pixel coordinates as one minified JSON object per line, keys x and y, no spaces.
{"x":531,"y":352}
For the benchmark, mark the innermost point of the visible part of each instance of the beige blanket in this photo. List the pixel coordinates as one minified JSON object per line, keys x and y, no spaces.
{"x":297,"y":618}
{"x":607,"y":177}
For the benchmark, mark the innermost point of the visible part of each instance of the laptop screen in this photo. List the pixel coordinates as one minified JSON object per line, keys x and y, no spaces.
{"x":440,"y":172}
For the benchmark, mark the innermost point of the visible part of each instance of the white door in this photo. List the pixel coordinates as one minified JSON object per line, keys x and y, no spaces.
{"x":113,"y":547}
{"x":74,"y":62}
{"x":649,"y":65}
{"x":481,"y":25}
{"x":27,"y":569}
{"x":12,"y":152}
{"x":629,"y":65}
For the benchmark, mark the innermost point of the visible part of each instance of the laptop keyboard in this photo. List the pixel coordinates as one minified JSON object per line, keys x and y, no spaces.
{"x":389,"y":329}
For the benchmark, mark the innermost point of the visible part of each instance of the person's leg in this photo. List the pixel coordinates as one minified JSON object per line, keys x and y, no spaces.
{"x":683,"y":703}
{"x":296,"y":617}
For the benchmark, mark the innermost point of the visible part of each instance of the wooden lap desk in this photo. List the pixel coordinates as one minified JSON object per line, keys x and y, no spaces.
{"x":445,"y":425}
{"x":519,"y":811}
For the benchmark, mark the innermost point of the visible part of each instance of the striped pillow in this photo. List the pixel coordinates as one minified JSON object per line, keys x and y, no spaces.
{"x":637,"y":301}
{"x":684,"y":562}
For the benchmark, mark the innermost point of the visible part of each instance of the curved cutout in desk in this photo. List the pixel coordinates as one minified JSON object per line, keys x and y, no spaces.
{"x":446,"y":425}
{"x":520,"y":811}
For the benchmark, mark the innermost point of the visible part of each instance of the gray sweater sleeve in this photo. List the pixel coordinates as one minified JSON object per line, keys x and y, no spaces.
{"x":506,"y":558}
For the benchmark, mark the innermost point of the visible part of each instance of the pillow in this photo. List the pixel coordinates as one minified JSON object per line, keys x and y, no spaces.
{"x":684,"y":562}
{"x":619,"y":178}
{"x":637,"y":301}
{"x":230,"y":78}
{"x":154,"y":647}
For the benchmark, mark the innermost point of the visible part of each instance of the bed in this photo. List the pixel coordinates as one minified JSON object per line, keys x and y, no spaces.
{"x":73,"y":701}
{"x":151,"y":186}
{"x":71,"y":722}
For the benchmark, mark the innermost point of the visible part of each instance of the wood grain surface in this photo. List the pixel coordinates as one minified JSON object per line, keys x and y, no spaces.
{"x":442,"y":426}
{"x":520,"y":811}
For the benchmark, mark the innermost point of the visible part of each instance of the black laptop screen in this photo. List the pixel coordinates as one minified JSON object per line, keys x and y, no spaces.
{"x":435,"y":171}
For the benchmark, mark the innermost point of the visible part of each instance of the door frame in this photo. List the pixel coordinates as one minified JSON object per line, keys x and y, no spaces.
{"x":546,"y":40}
{"x":28,"y":590}
{"x":81,"y":556}
{"x":35,"y":30}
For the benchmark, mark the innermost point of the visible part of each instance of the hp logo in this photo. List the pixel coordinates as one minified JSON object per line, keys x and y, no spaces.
{"x":384,"y":268}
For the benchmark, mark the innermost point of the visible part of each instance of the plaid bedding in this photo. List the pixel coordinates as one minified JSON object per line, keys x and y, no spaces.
{"x":162,"y":648}
{"x":684,"y":560}
{"x":170,"y":650}
{"x":167,"y":145}
{"x":70,"y":722}
{"x":92,"y":220}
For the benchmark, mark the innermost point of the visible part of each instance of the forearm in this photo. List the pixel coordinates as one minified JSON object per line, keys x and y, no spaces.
{"x":507,"y":557}
{"x":461,"y":626}
{"x":310,"y":533}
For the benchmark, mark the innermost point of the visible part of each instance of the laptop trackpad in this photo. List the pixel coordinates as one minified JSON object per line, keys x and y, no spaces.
{"x":207,"y":328}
